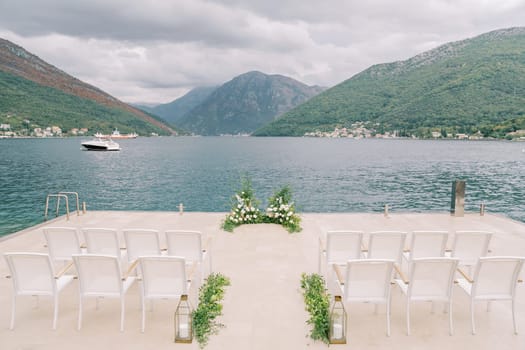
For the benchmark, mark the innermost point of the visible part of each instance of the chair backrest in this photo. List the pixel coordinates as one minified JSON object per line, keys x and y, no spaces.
{"x":102,"y":241}
{"x":32,"y":273}
{"x":342,"y":246}
{"x":140,"y":242}
{"x":431,"y":278}
{"x":62,"y":242}
{"x":496,"y":277}
{"x":427,"y":244}
{"x":98,"y":274}
{"x":386,"y":245}
{"x":368,"y":280}
{"x":469,"y":246}
{"x":163,"y":276}
{"x":186,"y":244}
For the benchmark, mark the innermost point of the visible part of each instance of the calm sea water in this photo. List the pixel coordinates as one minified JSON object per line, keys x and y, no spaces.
{"x":326,"y":175}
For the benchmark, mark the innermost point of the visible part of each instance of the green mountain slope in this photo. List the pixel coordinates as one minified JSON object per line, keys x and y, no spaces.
{"x":174,"y":111}
{"x":465,"y":86}
{"x":22,"y":99}
{"x":246,"y":103}
{"x":31,"y":89}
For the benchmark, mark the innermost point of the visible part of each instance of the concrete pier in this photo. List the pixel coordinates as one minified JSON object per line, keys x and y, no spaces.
{"x":263,"y":307}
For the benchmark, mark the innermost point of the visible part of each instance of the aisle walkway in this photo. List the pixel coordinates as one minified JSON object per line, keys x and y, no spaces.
{"x":263,"y":308}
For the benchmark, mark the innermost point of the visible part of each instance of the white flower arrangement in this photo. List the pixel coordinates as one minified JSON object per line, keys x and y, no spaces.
{"x":281,"y":210}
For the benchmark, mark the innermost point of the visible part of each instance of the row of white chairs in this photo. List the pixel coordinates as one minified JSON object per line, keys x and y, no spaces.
{"x":431,"y":267}
{"x":431,"y":279}
{"x":100,"y":276}
{"x":340,"y":246}
{"x":64,"y":242}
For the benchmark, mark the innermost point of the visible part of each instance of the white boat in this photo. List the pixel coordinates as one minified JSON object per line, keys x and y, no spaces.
{"x":101,"y":145}
{"x":117,"y":135}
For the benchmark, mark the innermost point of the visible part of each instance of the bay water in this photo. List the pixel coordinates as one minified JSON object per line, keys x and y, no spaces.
{"x":203,"y":173}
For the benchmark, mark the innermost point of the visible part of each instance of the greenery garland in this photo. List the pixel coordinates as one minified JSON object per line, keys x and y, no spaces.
{"x":204,"y":321}
{"x":281,"y":209}
{"x":317,"y":303}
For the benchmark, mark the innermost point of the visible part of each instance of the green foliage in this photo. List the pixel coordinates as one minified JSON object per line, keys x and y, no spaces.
{"x":281,"y":210}
{"x":204,"y":321}
{"x":44,"y":106}
{"x":244,"y":208}
{"x":467,"y":85}
{"x":317,"y":303}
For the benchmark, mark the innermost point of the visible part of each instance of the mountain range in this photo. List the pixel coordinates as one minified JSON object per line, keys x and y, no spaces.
{"x":33,"y":90}
{"x":239,"y":106}
{"x":473,"y":85}
{"x":174,"y":111}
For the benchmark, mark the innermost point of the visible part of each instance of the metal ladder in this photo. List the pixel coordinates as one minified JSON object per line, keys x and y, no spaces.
{"x":58,"y":196}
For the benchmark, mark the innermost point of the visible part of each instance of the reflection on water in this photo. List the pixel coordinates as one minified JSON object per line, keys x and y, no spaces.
{"x":326,"y":175}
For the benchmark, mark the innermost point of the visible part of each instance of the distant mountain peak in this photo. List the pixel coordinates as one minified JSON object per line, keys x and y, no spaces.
{"x":245,"y":103}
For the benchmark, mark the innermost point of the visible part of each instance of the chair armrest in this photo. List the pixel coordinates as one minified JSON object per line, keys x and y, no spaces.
{"x":207,"y":244}
{"x":364,"y":247}
{"x":401,"y":274}
{"x":192,"y":271}
{"x":64,"y":270}
{"x":338,"y":274}
{"x":322,"y":246}
{"x":464,"y":274}
{"x":131,"y":268}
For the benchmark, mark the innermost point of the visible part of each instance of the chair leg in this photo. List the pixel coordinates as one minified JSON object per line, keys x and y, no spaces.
{"x":55,"y":314}
{"x":80,"y":307}
{"x":514,"y":317}
{"x":13,"y":312}
{"x":122,"y":313}
{"x":388,"y":318}
{"x":408,"y":317}
{"x":450,"y":321}
{"x":472,"y":316}
{"x":319,"y":262}
{"x":143,"y":313}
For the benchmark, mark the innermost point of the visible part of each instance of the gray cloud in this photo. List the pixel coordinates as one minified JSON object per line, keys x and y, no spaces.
{"x":154,"y":51}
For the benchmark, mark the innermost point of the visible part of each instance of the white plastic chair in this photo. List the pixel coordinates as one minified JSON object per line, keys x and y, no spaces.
{"x":104,"y":241}
{"x":427,"y":244}
{"x":341,"y":246}
{"x":188,"y":244}
{"x":163,"y":277}
{"x":469,"y":246}
{"x":100,"y":276}
{"x":141,"y":242}
{"x":495,"y":279}
{"x":33,"y":275}
{"x":431,"y":279}
{"x":367,"y":281}
{"x":386,"y":245}
{"x":62,"y":243}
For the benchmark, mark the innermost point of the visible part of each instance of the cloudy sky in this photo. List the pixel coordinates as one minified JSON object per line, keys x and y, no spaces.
{"x":153,"y":51}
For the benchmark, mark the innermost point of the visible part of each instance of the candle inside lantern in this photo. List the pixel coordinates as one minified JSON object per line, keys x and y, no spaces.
{"x":183,"y":331}
{"x":337,"y":330}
